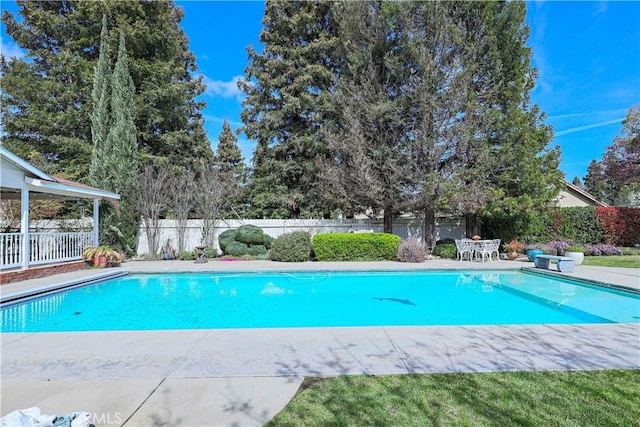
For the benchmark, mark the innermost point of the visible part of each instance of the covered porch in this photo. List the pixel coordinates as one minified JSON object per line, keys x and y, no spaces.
{"x":25,"y":248}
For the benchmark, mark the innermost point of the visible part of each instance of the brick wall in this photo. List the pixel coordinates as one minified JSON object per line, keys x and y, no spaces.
{"x":41,"y":271}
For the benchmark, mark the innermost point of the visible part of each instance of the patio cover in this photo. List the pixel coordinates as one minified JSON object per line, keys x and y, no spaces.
{"x":21,"y":180}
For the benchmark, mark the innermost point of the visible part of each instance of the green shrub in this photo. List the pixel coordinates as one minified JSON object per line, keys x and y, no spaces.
{"x":574,"y":249}
{"x":445,"y":250}
{"x":263,"y":256}
{"x":267,"y":241}
{"x":236,"y":249}
{"x":188,"y":255}
{"x":412,"y":250}
{"x":356,"y":246}
{"x":257,"y":250}
{"x":291,"y":247}
{"x":225,"y":238}
{"x":210,"y":253}
{"x":250,"y":234}
{"x":630,"y":251}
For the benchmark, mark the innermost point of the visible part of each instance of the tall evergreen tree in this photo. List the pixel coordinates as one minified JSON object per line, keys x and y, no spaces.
{"x":596,"y":182}
{"x":229,"y":159}
{"x":122,"y":137}
{"x":366,"y":168}
{"x":621,"y":161}
{"x":230,"y":165}
{"x":46,"y":97}
{"x":120,"y":160}
{"x":287,"y":87}
{"x":481,"y":145}
{"x":100,"y":98}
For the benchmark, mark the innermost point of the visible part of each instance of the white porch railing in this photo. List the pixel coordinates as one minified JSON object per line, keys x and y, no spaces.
{"x":44,"y":248}
{"x":10,"y":250}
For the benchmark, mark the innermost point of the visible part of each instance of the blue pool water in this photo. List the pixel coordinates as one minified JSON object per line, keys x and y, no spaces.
{"x":209,"y":301}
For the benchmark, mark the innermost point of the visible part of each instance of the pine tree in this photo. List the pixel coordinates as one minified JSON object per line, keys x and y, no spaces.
{"x":287,"y":87}
{"x":522,"y":168}
{"x":230,"y":165}
{"x":46,"y":97}
{"x":596,"y":182}
{"x":621,"y":161}
{"x":366,"y":166}
{"x":229,"y":159}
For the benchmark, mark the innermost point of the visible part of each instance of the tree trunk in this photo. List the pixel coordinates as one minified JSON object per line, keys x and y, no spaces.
{"x":429,"y":227}
{"x":388,"y":220}
{"x":472,"y":224}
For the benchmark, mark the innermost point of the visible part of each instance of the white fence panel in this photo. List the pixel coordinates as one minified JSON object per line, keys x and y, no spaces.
{"x":453,"y":228}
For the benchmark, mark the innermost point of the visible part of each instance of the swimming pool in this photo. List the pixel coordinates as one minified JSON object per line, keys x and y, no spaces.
{"x":317,"y":299}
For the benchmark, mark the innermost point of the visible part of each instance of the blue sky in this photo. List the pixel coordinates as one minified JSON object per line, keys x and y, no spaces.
{"x":587,"y":55}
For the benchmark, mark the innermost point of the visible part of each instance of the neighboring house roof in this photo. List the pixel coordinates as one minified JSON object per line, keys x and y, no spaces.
{"x":574,"y":195}
{"x":18,"y":174}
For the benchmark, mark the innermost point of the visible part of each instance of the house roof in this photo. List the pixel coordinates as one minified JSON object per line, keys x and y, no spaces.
{"x":584,"y":193}
{"x":41,"y":184}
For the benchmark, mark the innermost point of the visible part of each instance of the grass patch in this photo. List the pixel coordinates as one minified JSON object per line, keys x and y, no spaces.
{"x":626,"y":261}
{"x":593,"y":398}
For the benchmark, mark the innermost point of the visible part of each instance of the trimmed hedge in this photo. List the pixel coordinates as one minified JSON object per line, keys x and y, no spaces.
{"x":257,"y":250}
{"x":225,"y":238}
{"x":248,"y":238}
{"x":236,"y":249}
{"x":581,"y":225}
{"x":356,"y":246}
{"x":291,"y":247}
{"x":621,"y":225}
{"x":250,"y":234}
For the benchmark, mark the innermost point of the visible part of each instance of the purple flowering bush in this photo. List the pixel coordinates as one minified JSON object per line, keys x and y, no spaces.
{"x":557,"y":246}
{"x":601,"y":249}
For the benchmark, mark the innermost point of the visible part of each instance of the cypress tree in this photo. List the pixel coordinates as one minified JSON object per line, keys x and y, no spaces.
{"x":121,"y":161}
{"x":122,"y":140}
{"x":100,"y":112}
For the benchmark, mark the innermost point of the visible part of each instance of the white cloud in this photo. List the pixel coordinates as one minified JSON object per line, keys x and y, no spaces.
{"x":9,"y":49}
{"x":213,"y":119}
{"x":592,"y":113}
{"x":221,"y":88}
{"x":581,"y":128}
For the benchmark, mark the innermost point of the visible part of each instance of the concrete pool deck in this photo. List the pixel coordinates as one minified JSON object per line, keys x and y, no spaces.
{"x":245,"y":376}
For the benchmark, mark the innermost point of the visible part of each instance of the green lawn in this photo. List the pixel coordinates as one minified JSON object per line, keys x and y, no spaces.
{"x":628,"y":261}
{"x":580,"y":398}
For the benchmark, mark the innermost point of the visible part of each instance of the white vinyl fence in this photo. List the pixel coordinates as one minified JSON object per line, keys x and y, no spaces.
{"x":453,"y":228}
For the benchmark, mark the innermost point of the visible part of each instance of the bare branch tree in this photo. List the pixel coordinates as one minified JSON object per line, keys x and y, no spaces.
{"x":182,"y":198}
{"x":211,"y":197}
{"x":151,"y":200}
